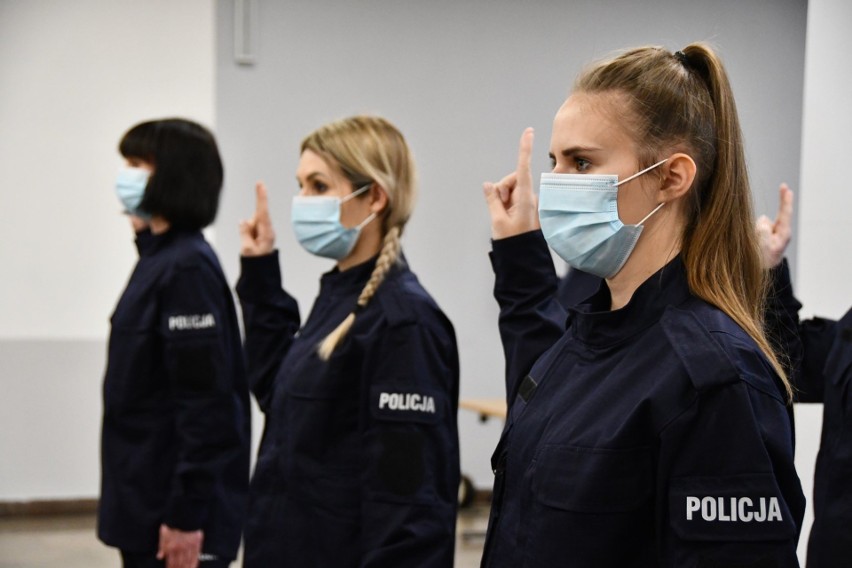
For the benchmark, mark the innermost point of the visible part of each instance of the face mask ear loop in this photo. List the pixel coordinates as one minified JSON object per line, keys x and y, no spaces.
{"x":657,"y":208}
{"x":366,"y":221}
{"x":636,"y":175}
{"x":356,"y":193}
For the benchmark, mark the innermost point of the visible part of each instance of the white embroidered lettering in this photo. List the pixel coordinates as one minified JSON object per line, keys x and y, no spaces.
{"x":407,"y":401}
{"x":708,"y":509}
{"x":745,"y":515}
{"x":692,"y":505}
{"x":774,"y":510}
{"x":194,"y":321}
{"x":733,"y":509}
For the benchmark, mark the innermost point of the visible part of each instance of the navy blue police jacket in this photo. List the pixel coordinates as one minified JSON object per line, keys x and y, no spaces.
{"x":359,"y":461}
{"x":826,"y":376}
{"x":780,"y":314}
{"x":176,"y":428}
{"x":653,"y":435}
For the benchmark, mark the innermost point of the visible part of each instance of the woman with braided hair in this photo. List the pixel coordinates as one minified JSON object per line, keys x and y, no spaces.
{"x":358,"y":465}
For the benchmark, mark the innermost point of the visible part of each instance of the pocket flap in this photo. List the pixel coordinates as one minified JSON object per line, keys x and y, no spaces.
{"x":593,"y":480}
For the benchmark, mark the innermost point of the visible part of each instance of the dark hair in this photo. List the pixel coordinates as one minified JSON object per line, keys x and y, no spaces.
{"x":187,"y":179}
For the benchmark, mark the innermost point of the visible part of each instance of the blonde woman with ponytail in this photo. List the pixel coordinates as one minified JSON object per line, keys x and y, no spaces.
{"x":359,"y":461}
{"x":648,"y":426}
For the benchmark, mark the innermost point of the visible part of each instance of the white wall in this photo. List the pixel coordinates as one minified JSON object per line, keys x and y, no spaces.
{"x":75,"y":76}
{"x":825,"y":201}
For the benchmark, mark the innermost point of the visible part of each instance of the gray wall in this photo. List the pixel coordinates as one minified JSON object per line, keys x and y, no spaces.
{"x":461,"y":80}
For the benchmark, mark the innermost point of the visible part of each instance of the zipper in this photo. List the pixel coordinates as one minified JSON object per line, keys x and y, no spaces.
{"x":498,"y":466}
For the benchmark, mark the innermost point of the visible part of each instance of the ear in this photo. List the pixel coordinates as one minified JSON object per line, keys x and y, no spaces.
{"x":378,"y":198}
{"x":678,"y":173}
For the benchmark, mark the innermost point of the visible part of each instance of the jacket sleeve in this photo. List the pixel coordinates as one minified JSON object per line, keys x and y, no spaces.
{"x":726,"y":475}
{"x":271,"y":319}
{"x":781,"y":318}
{"x":200,"y":348}
{"x":531,"y":318}
{"x":410,"y":473}
{"x":817,"y":337}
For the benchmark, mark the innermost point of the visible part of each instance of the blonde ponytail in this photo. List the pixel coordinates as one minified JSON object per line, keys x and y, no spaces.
{"x":388,"y":256}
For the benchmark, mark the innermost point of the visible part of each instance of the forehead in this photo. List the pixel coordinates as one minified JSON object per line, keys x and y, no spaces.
{"x":312,"y":163}
{"x":589,"y":120}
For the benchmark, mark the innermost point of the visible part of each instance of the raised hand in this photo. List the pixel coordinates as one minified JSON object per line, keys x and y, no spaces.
{"x":257,"y":237}
{"x":511,"y":201}
{"x":774,"y":236}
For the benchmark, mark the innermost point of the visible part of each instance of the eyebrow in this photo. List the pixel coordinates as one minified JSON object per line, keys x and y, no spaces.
{"x":311,"y":176}
{"x":574,"y":150}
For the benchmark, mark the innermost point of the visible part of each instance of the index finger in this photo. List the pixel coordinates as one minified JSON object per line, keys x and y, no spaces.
{"x":262,"y":201}
{"x":525,"y":152}
{"x":785,"y":208}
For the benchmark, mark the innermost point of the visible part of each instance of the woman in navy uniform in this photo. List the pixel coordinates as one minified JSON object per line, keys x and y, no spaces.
{"x":826,"y":376}
{"x":175,"y":440}
{"x":652,"y":428}
{"x":359,"y":462}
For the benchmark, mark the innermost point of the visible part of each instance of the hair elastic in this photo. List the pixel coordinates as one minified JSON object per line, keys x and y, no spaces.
{"x":681,"y":56}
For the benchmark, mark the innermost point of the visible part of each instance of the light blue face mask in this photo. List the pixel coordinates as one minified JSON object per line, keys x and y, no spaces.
{"x":579,"y":219}
{"x":316,"y":223}
{"x":130,"y":187}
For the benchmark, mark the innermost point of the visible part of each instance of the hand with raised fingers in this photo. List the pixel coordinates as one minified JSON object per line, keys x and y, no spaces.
{"x":774,"y":236}
{"x":257,"y":237}
{"x":180,"y":549}
{"x":512,"y":204}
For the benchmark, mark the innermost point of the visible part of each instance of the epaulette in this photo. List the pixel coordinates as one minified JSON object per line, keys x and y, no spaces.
{"x":398,"y":307}
{"x":705,"y":361}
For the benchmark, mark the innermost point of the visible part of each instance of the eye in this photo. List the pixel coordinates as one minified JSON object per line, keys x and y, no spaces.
{"x":582,"y":164}
{"x":552,"y":162}
{"x":319,"y":187}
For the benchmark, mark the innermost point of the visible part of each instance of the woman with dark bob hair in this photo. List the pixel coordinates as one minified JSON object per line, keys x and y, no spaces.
{"x":175,"y":438}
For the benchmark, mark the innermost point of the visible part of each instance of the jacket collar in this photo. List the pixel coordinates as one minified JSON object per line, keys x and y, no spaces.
{"x":595,"y":324}
{"x":147,"y":243}
{"x":354,"y":279}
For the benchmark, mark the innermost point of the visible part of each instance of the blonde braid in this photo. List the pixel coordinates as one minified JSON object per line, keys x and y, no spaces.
{"x":388,"y":256}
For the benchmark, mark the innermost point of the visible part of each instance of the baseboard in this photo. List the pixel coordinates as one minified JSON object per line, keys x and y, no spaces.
{"x":48,"y":507}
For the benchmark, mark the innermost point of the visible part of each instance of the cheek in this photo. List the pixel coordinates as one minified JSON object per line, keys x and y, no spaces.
{"x":632,"y":205}
{"x":354,"y":212}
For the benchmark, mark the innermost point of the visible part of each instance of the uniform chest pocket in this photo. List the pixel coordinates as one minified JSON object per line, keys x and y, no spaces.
{"x":593,"y":480}
{"x":310,"y":378}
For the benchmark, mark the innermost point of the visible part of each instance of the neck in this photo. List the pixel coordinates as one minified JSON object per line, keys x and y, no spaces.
{"x":657,"y":246}
{"x":159,"y":225}
{"x":369,"y":244}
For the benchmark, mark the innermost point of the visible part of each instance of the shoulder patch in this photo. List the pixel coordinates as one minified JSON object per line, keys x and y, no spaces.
{"x":706,"y":362}
{"x":407,"y":404}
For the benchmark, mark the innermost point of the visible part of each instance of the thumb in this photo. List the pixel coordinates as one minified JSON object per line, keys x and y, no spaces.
{"x":245,"y":229}
{"x":496,"y":207}
{"x":161,"y":549}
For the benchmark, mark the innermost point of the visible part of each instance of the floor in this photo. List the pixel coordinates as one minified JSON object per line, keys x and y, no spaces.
{"x":69,"y":542}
